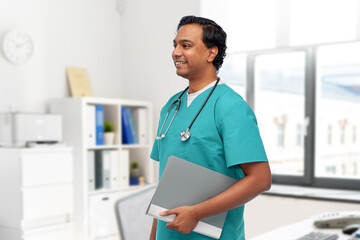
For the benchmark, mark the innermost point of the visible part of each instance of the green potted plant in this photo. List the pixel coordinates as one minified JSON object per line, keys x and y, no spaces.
{"x":109,"y":133}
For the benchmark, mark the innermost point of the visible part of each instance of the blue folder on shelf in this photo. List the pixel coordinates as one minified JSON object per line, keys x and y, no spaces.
{"x":184,"y":184}
{"x":99,"y":119}
{"x":132,"y":127}
{"x":126,"y":128}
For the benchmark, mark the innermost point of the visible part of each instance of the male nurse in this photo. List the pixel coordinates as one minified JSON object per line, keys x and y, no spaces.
{"x":224,"y":136}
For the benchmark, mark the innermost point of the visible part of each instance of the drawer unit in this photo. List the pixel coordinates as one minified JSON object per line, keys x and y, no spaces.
{"x":37,"y":193}
{"x":63,"y":232}
{"x":40,"y":168}
{"x":47,"y":205}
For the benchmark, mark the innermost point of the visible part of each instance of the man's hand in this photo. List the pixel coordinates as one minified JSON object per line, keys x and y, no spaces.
{"x":185,"y":221}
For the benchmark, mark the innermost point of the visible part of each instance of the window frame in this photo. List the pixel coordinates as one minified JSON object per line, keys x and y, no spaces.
{"x":308,"y":179}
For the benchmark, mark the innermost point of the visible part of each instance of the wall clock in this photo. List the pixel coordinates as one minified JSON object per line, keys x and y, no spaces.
{"x":17,"y":46}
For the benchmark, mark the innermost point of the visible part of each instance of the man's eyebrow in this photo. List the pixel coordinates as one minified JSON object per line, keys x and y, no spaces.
{"x":183,"y":41}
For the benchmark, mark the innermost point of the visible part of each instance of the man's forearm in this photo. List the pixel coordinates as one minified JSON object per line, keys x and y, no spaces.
{"x":153,"y":230}
{"x":240,"y":193}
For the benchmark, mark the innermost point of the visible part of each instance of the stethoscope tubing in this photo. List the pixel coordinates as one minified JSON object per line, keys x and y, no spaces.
{"x":178,"y":100}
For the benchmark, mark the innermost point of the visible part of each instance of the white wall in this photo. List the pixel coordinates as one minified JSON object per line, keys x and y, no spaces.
{"x":148,"y":29}
{"x":82,"y":33}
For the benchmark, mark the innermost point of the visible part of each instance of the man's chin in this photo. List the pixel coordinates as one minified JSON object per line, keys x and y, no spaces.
{"x":181,"y":74}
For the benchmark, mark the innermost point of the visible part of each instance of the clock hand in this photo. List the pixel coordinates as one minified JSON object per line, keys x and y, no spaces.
{"x":21,"y":44}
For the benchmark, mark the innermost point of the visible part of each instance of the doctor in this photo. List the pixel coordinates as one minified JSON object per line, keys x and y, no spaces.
{"x":211,"y":125}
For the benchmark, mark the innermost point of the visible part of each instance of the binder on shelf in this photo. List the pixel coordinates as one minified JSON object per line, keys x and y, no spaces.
{"x":183,"y":184}
{"x":98,"y":170}
{"x":106,"y":157}
{"x":91,"y":170}
{"x":90,"y":124}
{"x":102,"y":169}
{"x":124,"y":168}
{"x":126,"y":131}
{"x":114,"y":170}
{"x":140,"y":121}
{"x":99,"y":124}
{"x":132,"y":127}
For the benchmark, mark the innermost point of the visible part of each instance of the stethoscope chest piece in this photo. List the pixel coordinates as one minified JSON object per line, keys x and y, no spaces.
{"x":185,"y":135}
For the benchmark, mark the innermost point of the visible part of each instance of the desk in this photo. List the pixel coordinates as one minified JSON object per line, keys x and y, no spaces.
{"x":296,"y":230}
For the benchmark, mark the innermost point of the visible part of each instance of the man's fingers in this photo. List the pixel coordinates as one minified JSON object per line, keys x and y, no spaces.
{"x":168,"y":212}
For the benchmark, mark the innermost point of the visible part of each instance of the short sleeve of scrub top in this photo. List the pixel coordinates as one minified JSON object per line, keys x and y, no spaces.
{"x":238,"y":128}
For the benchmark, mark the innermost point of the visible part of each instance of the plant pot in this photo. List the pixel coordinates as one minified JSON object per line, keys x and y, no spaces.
{"x":135,"y":172}
{"x":109,"y":138}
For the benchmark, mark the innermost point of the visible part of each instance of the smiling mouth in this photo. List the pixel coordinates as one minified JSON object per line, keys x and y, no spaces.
{"x":179,"y":63}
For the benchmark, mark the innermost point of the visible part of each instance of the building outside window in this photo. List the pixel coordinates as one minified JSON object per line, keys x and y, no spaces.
{"x":299,"y":135}
{"x":329,"y":135}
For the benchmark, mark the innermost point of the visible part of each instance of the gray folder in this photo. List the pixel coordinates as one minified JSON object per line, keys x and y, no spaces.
{"x":183,"y":184}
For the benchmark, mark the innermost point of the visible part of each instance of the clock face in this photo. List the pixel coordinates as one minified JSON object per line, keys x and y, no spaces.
{"x":17,"y":46}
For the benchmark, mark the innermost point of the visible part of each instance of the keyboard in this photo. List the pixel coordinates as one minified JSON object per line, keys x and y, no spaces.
{"x":318,"y":236}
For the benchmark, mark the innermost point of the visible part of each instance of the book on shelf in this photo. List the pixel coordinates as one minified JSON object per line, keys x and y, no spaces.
{"x":79,"y":82}
{"x":99,"y":119}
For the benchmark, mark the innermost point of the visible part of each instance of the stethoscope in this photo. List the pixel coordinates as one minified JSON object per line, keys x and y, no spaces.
{"x":185,"y":134}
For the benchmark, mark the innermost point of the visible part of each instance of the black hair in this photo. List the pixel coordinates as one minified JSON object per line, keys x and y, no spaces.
{"x":213,"y":36}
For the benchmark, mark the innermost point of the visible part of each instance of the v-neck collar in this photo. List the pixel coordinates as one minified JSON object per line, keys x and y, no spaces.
{"x":203,"y":90}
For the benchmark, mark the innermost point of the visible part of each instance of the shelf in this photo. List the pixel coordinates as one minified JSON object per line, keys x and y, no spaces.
{"x":134,"y":146}
{"x":79,"y":130}
{"x":129,"y":189}
{"x":103,"y":191}
{"x":104,"y":147}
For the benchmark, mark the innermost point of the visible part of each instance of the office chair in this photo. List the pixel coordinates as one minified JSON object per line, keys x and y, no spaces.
{"x":131,"y":215}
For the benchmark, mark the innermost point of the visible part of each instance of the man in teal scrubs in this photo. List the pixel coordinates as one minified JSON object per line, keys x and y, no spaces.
{"x":224,"y":137}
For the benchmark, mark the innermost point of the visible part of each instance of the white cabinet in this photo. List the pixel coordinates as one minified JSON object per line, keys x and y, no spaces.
{"x":94,"y":214}
{"x":37,"y":194}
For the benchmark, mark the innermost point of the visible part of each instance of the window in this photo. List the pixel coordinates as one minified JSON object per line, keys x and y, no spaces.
{"x":302,"y":83}
{"x":285,"y":90}
{"x":320,"y":24}
{"x":342,"y":134}
{"x":279,"y":95}
{"x":329,"y":135}
{"x":354,"y":135}
{"x":233,"y":72}
{"x":338,"y":103}
{"x":280,"y":135}
{"x":299,"y":135}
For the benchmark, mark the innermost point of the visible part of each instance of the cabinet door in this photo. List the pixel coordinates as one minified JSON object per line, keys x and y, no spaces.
{"x":39,"y":168}
{"x":47,"y":205}
{"x":102,"y":215}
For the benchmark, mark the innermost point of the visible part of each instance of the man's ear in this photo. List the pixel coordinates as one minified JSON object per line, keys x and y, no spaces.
{"x":213,"y":51}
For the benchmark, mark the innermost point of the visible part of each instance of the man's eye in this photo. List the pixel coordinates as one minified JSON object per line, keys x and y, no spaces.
{"x":186,"y":46}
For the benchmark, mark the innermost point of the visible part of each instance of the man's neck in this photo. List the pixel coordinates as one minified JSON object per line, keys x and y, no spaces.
{"x":198,"y":84}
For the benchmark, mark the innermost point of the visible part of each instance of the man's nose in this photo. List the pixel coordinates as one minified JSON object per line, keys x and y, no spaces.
{"x":176,"y":51}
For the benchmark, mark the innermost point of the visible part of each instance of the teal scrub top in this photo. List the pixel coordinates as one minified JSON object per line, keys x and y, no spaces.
{"x":224,"y":135}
